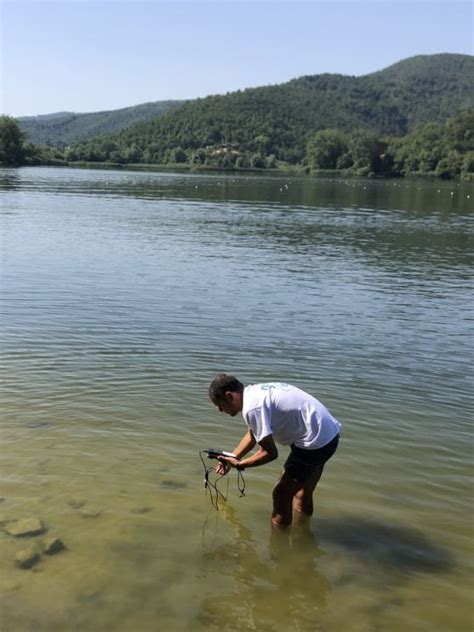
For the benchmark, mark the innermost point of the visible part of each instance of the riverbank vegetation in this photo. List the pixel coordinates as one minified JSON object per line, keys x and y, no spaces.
{"x":16,"y":151}
{"x":445,"y":150}
{"x":441,"y":150}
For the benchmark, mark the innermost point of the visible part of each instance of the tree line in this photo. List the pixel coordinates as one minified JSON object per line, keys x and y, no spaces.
{"x":445,"y":150}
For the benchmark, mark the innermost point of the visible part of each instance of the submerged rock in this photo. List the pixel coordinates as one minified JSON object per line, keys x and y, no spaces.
{"x":37,"y":424}
{"x":141,"y":510}
{"x":27,"y":558}
{"x":90,"y":513}
{"x":28,"y":526}
{"x":53,"y":545}
{"x":172,"y":484}
{"x":76,"y":503}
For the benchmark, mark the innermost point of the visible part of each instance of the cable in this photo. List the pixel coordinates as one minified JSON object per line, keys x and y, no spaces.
{"x":214,"y":492}
{"x":240,"y":483}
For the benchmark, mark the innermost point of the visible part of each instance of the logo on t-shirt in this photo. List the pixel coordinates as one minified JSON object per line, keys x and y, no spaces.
{"x":272,"y":385}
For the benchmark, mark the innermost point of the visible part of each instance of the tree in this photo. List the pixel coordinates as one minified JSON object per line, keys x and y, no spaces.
{"x":133,"y":154}
{"x":257,"y":161}
{"x":460,"y":131}
{"x":228,"y":160}
{"x":421,"y":150}
{"x":177,"y":155}
{"x":365,"y":149}
{"x":450,"y":166}
{"x":345,"y":161}
{"x":242,"y":162}
{"x":271,"y":161}
{"x":11,"y":142}
{"x":199,"y":157}
{"x":468,"y":165}
{"x":117,"y":157}
{"x":262,"y":143}
{"x":325,"y":148}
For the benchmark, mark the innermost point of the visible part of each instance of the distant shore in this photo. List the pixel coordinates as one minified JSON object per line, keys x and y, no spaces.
{"x":277,"y":171}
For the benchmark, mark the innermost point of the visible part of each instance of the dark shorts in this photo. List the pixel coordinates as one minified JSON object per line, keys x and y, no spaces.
{"x":301,"y":463}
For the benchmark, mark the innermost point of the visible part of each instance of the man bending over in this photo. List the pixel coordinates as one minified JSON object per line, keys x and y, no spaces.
{"x":279,"y":413}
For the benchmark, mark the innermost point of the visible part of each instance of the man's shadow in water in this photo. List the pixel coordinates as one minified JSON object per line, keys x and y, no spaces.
{"x":393,"y":547}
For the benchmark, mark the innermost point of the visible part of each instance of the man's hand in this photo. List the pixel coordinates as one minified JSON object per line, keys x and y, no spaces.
{"x":225,"y":463}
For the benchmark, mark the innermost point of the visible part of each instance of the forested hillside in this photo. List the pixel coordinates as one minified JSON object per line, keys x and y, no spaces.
{"x":64,"y":128}
{"x":279,"y":120}
{"x":415,"y":117}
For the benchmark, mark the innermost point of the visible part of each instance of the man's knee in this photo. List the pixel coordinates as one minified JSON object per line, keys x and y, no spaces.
{"x":303,"y":502}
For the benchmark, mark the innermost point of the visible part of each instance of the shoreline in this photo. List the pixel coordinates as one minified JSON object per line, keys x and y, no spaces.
{"x":297,"y":171}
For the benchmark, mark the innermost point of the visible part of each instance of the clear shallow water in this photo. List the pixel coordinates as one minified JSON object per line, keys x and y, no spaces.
{"x":124,"y":293}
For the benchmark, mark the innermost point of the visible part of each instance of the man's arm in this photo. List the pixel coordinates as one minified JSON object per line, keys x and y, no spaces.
{"x":245,"y":445}
{"x":267,"y":452}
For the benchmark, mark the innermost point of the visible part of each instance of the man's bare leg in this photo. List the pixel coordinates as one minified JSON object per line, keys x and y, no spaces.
{"x":283,"y":494}
{"x":303,"y":499}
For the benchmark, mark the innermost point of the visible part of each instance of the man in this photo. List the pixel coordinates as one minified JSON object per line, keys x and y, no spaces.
{"x":281,"y":413}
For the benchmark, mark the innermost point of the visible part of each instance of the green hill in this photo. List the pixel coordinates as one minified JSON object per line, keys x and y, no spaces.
{"x":64,"y":128}
{"x":429,"y":88}
{"x":279,"y":120}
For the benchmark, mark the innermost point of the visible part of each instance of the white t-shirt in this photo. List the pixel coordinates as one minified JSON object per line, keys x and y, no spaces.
{"x":289,"y":414}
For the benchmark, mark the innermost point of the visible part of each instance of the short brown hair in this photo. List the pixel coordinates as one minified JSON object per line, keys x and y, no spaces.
{"x":223,"y":383}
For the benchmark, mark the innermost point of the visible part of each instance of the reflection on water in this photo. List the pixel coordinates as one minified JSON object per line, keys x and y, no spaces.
{"x":289,"y":574}
{"x":289,"y":586}
{"x":123,"y":293}
{"x":420,"y":196}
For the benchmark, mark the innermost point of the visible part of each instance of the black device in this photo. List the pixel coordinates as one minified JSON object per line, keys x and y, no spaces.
{"x":213,"y":453}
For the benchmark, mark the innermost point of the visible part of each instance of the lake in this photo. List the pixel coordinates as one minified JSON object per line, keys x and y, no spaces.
{"x":124,"y":293}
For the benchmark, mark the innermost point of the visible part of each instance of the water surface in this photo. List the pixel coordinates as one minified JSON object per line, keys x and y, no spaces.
{"x":123,"y":294}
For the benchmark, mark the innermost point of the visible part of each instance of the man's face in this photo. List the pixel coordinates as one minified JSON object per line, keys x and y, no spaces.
{"x":230,"y":404}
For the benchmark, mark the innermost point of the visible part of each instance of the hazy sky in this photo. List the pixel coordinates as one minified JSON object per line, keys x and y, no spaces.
{"x":83,"y":56}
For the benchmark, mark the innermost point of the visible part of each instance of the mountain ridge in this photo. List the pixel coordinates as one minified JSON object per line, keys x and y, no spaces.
{"x":419,"y":89}
{"x":62,"y":128}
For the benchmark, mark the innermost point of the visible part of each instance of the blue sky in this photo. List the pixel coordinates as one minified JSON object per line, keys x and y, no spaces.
{"x":85,"y":56}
